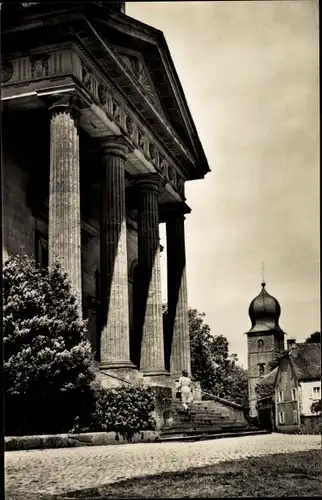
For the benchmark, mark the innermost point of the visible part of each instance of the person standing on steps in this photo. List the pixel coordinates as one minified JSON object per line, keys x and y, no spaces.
{"x":184,"y":386}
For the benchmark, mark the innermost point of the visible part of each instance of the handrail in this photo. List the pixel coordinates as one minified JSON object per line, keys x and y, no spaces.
{"x":222,"y":400}
{"x":217,"y":398}
{"x":117,"y":378}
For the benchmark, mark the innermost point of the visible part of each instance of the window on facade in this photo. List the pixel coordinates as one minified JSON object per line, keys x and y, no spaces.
{"x":260,"y":344}
{"x":281,"y":417}
{"x":295,"y":421}
{"x":316,"y":393}
{"x":293,"y":394}
{"x":261,"y":368}
{"x":280,"y":397}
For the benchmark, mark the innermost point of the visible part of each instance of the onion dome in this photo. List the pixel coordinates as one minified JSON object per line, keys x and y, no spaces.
{"x":264,"y":312}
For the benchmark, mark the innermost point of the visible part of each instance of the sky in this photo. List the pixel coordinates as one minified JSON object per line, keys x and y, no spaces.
{"x":249,"y":70}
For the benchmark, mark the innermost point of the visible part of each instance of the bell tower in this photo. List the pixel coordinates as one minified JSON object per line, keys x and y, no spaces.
{"x":265,"y":340}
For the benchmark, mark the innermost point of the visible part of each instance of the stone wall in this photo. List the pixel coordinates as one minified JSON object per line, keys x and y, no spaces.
{"x":230,"y":411}
{"x":90,"y":266}
{"x":132,"y":257}
{"x":18,"y":222}
{"x":311,"y":425}
{"x":262,"y":355}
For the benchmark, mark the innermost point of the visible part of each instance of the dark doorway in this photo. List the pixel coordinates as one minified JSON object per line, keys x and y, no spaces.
{"x":135,"y":340}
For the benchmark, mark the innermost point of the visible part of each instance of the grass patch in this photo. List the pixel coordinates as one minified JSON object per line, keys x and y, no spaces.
{"x":290,"y":474}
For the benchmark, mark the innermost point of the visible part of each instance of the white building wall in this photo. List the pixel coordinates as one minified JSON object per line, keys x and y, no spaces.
{"x":309,"y":395}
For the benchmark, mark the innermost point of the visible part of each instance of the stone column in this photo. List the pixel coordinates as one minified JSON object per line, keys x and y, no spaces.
{"x":150,"y":300}
{"x":64,"y":234}
{"x":115,"y":337}
{"x":178,"y":322}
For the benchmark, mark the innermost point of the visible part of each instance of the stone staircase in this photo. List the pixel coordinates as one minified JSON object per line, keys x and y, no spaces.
{"x":206,"y":420}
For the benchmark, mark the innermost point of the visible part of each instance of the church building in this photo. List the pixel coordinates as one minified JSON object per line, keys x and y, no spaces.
{"x":265,"y":340}
{"x":98,"y":144}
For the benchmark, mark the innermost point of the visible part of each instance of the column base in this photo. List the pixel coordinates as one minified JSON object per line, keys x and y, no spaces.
{"x":155,"y":373}
{"x":106,"y":365}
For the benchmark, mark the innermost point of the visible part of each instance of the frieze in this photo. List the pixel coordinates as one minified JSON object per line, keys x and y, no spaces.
{"x":39,"y":65}
{"x":6,"y":71}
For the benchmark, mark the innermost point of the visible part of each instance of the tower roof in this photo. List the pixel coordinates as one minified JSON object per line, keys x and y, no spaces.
{"x":264,"y":312}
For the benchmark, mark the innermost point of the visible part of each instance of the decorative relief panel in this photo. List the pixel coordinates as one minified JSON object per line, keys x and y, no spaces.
{"x":139,"y":70}
{"x":39,"y":65}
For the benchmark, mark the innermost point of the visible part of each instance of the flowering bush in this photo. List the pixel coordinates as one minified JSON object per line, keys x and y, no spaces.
{"x":48,"y":362}
{"x":125,"y":409}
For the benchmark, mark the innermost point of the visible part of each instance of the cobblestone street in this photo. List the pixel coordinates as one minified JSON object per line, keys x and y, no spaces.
{"x":67,"y":469}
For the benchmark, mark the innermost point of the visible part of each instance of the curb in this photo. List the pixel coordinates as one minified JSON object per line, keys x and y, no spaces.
{"x":18,"y":443}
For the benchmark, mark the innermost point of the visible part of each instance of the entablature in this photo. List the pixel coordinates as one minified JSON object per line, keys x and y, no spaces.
{"x":91,"y":28}
{"x":46,"y":73}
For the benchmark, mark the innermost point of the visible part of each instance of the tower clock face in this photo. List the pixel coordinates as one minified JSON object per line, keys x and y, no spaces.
{"x":6,"y":71}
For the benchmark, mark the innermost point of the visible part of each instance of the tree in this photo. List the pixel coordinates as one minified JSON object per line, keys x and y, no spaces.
{"x":211,"y":363}
{"x":48,"y":362}
{"x":314,"y":338}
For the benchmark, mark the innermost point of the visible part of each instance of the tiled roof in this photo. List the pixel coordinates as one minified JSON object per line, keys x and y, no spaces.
{"x":306,"y":361}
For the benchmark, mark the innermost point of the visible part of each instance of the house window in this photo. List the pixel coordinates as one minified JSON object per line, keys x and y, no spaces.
{"x":261,"y":368}
{"x":316,"y":393}
{"x":295,"y":420}
{"x":280,"y":397}
{"x":293,"y":394}
{"x":260,"y":344}
{"x":281,"y":419}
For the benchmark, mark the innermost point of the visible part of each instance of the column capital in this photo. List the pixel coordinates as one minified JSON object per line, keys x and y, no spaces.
{"x":115,"y":145}
{"x":148,"y":182}
{"x":171,"y":211}
{"x":66,"y":103}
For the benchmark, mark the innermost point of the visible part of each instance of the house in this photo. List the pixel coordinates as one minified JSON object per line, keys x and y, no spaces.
{"x":291,"y":388}
{"x":297,"y":386}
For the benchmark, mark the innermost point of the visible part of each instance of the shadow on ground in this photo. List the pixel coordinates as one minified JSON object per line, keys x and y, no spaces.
{"x":289,"y":474}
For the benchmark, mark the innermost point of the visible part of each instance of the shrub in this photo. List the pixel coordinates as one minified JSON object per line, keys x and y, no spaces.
{"x":125,"y":410}
{"x":316,"y":407}
{"x":48,"y":362}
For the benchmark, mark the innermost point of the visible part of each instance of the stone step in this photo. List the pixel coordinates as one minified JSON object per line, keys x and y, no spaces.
{"x":200,"y":429}
{"x":204,"y":436}
{"x":197,"y":412}
{"x":203,"y":426}
{"x":203,"y":411}
{"x":213,"y":418}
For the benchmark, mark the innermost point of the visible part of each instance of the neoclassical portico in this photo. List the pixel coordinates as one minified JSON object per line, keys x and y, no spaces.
{"x":64,"y":247}
{"x":125,"y":103}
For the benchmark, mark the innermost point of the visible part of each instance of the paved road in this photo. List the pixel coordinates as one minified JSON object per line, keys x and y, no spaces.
{"x":67,"y":469}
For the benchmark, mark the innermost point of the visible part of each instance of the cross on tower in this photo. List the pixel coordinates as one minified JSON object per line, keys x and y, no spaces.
{"x":263,"y":279}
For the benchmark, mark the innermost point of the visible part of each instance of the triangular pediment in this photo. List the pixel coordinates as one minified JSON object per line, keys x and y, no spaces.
{"x":137,"y":66}
{"x":143,"y":52}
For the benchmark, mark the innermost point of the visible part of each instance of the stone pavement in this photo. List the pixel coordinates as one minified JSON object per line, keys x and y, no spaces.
{"x":67,"y":469}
